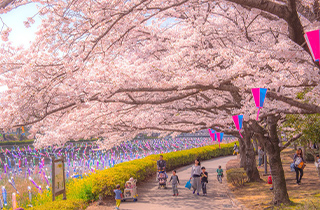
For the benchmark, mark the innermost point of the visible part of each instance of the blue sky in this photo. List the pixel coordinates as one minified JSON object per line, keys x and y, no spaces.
{"x":20,"y":35}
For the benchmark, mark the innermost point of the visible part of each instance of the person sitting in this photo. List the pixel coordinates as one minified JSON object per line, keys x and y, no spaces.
{"x":129,"y":185}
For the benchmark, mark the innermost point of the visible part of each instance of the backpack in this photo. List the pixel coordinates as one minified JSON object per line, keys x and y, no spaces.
{"x":269,"y":179}
{"x":292,"y":167}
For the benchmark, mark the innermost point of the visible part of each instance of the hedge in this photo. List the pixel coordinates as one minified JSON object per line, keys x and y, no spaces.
{"x":17,"y":142}
{"x":236,"y":176}
{"x":104,"y":181}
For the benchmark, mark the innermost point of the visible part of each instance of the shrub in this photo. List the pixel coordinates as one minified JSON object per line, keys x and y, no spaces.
{"x":235,"y":163}
{"x":63,"y":205}
{"x":104,"y":181}
{"x":16,"y":142}
{"x":237,"y":176}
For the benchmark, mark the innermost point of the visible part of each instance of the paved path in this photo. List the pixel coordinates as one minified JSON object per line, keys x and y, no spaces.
{"x":152,"y":198}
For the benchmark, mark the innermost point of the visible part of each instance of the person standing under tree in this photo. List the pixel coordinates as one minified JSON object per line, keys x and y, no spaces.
{"x":260,"y":156}
{"x":317,"y":163}
{"x":299,"y":165}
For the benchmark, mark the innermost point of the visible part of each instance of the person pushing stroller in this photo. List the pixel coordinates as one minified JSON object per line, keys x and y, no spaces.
{"x":162,"y":175}
{"x":161,"y":164}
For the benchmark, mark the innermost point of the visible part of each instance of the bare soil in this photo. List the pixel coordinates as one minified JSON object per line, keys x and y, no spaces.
{"x":259,"y":196}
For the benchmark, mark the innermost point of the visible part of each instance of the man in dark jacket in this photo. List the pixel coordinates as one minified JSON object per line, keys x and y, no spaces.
{"x":161,"y":164}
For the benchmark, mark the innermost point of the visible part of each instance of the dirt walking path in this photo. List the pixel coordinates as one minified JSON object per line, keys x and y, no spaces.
{"x":152,"y":198}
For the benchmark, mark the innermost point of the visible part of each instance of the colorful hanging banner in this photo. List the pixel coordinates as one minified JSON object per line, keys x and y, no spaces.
{"x":219,"y":137}
{"x":313,"y":41}
{"x":259,"y":95}
{"x":238,"y":119}
{"x":212,"y":134}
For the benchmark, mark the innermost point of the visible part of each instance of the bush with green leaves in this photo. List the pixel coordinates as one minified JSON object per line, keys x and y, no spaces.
{"x":236,"y":176}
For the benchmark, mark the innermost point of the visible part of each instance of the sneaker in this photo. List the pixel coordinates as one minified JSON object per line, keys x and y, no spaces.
{"x":194,"y":191}
{"x":177,"y":194}
{"x":173,"y":194}
{"x":198,"y":194}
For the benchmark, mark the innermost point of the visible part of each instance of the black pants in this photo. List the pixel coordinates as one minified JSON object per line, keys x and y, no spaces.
{"x":204,"y":187}
{"x":297,"y":174}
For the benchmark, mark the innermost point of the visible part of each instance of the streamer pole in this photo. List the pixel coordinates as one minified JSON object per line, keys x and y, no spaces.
{"x":258,"y":113}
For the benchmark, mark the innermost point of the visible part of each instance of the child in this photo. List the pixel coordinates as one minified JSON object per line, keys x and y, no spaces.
{"x":317,"y":163}
{"x":118,"y":196}
{"x":220,"y":174}
{"x":175,"y":181}
{"x":204,"y":180}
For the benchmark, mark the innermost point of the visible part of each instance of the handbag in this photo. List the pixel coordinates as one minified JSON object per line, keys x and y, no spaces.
{"x":300,"y":165}
{"x":188,"y":185}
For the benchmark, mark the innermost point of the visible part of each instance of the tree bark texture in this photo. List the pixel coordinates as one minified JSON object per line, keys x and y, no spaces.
{"x":277,"y":172}
{"x":250,"y":157}
{"x":242,"y":150}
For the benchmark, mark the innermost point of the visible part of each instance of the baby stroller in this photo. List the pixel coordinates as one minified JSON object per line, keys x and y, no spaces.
{"x":130,"y":191}
{"x":162,"y":179}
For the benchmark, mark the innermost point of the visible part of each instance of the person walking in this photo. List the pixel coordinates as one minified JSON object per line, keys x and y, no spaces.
{"x":235,"y":149}
{"x":204,"y":180}
{"x":195,"y":176}
{"x":175,"y":181}
{"x":219,"y":174}
{"x":118,"y":196}
{"x":299,"y":165}
{"x":161,"y":164}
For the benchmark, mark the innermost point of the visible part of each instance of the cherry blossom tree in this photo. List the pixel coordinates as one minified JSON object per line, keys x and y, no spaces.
{"x":115,"y":68}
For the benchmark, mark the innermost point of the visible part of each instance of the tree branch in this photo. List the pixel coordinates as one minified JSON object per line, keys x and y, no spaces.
{"x":296,"y":137}
{"x":309,"y":107}
{"x":5,"y":3}
{"x":274,"y":8}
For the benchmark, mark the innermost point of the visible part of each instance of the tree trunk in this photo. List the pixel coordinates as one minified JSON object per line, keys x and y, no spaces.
{"x":255,"y":145}
{"x":251,"y":165}
{"x":277,"y":173}
{"x":242,"y":150}
{"x":304,"y":151}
